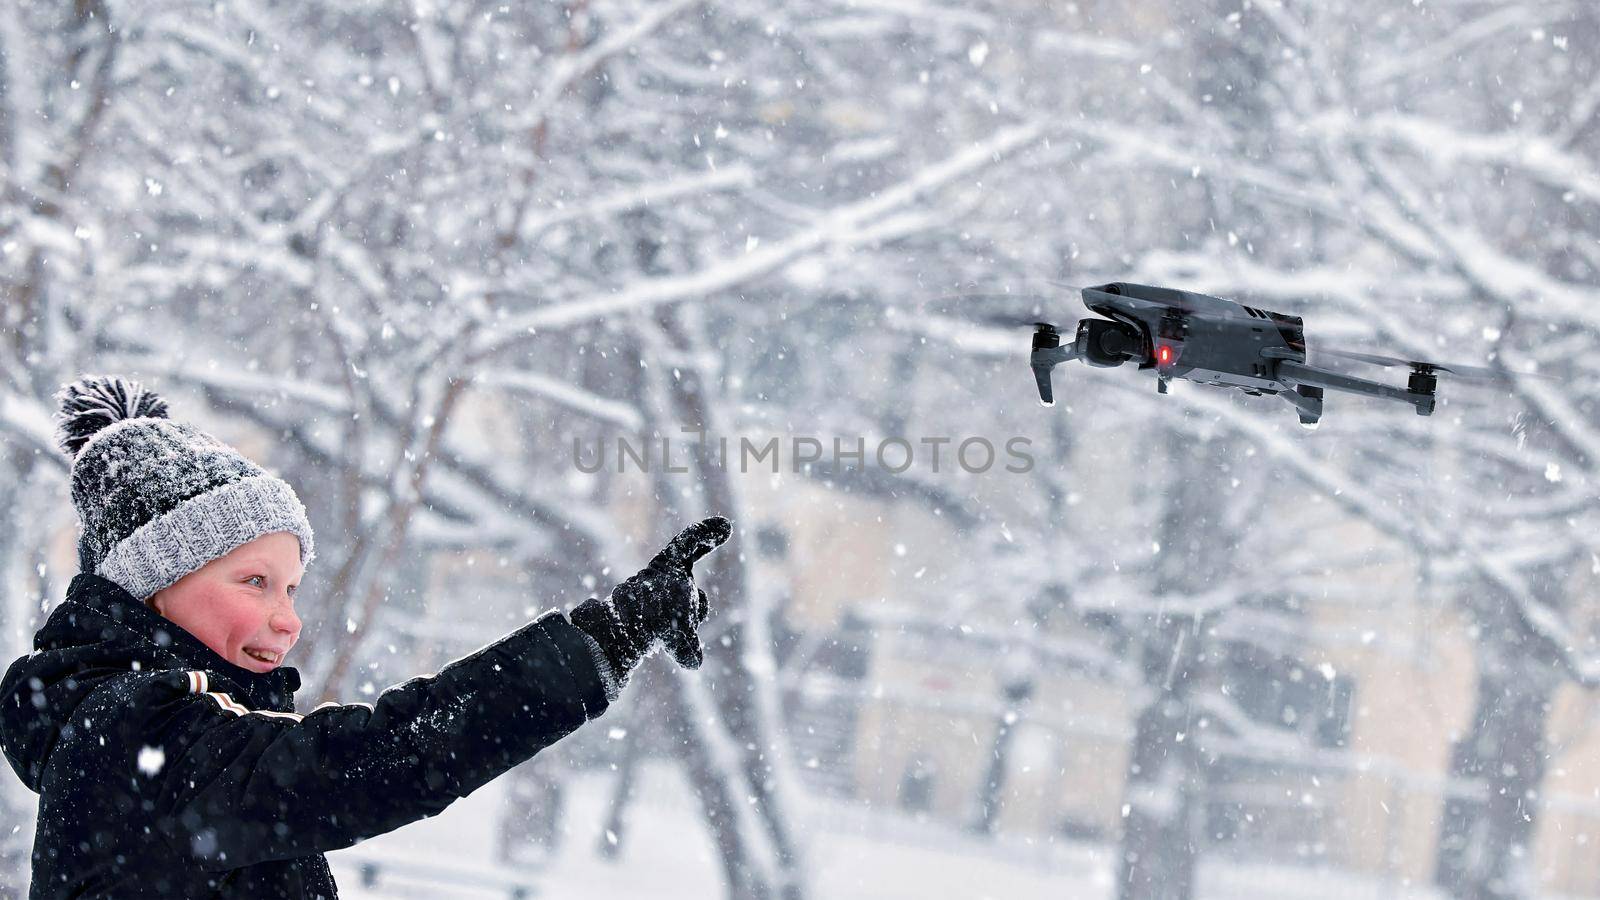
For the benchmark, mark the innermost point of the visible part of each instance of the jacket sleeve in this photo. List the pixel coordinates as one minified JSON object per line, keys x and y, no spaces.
{"x":233,"y":787}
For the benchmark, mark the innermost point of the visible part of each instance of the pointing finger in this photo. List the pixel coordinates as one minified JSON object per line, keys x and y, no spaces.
{"x":694,"y":542}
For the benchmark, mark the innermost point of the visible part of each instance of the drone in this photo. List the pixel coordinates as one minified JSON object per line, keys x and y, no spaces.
{"x":1209,"y":340}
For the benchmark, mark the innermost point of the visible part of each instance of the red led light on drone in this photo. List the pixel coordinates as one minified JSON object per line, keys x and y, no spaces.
{"x":1164,"y":354}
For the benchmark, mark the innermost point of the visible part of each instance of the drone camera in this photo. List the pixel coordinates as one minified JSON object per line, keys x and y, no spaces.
{"x":1108,"y":344}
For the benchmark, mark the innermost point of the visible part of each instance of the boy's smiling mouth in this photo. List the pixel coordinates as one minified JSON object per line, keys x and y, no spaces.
{"x":269,"y":657}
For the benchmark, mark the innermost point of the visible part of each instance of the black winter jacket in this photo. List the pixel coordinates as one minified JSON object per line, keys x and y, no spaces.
{"x":165,"y":771}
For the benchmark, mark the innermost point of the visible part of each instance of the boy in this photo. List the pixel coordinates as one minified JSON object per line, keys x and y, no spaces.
{"x":155,"y":718}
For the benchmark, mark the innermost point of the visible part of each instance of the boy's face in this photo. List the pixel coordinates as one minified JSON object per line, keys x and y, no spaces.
{"x":241,"y":605}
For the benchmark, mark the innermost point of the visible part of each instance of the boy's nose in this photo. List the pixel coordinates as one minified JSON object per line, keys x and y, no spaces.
{"x":286,"y":621}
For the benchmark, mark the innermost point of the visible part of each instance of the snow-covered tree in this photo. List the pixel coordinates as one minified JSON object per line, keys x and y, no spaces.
{"x":369,"y":230}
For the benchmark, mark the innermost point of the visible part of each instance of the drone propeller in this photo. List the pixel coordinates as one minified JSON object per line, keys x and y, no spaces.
{"x":1025,"y":298}
{"x":1002,"y":321}
{"x":1047,"y":349}
{"x":1418,"y":365}
{"x":988,"y":310}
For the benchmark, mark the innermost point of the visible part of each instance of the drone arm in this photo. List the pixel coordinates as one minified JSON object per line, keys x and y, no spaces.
{"x":1294,"y":373}
{"x":1043,"y":360}
{"x":1307,"y":402}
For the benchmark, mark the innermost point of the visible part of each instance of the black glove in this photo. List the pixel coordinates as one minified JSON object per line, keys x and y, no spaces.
{"x":661,"y":602}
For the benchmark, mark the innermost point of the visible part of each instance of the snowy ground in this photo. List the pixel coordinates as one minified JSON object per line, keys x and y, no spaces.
{"x":854,"y":853}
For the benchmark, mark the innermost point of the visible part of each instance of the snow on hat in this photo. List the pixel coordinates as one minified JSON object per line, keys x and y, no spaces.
{"x":158,"y":499}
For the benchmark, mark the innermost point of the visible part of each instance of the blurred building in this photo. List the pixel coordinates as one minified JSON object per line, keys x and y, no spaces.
{"x":1334,"y":751}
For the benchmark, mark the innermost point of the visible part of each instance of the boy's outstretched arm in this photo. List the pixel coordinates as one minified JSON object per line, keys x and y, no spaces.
{"x":238,"y":787}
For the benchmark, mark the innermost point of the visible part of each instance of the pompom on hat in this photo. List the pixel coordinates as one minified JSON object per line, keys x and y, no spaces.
{"x":158,"y":499}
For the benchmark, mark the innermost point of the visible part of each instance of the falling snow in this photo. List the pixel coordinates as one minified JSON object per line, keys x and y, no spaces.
{"x":511,"y":292}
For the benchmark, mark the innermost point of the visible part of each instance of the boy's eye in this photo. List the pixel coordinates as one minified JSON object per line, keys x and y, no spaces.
{"x":258,"y":578}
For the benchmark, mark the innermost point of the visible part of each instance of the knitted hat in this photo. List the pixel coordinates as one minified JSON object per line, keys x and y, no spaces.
{"x":158,"y":499}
